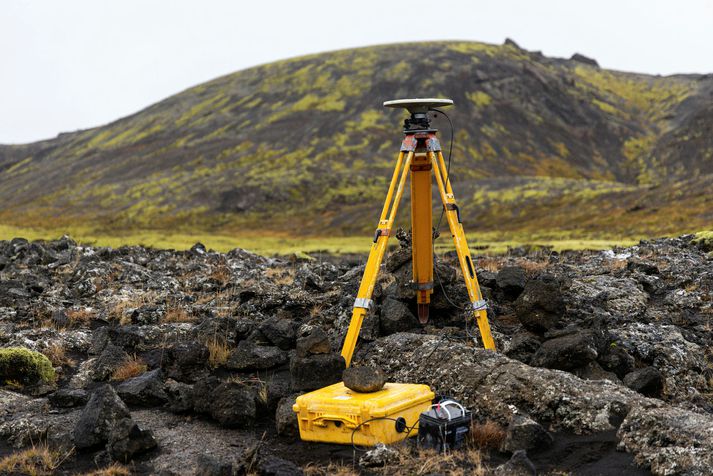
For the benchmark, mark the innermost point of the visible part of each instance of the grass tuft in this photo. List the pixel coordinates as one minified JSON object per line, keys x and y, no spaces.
{"x":132,"y":367}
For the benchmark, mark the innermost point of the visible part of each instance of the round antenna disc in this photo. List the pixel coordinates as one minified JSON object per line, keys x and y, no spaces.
{"x":419,"y":105}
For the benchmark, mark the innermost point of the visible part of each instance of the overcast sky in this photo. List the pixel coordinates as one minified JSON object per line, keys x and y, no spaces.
{"x":68,"y":65}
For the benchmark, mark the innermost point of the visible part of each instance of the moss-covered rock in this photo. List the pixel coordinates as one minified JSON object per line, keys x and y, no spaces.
{"x":704,"y":239}
{"x":25,"y":366}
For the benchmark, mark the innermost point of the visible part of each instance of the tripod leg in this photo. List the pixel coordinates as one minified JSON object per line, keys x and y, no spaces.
{"x":422,"y":233}
{"x":376,"y":254}
{"x":466,"y":261}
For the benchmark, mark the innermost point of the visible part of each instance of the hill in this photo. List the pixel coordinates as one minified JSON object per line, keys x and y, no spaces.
{"x":543,"y":147}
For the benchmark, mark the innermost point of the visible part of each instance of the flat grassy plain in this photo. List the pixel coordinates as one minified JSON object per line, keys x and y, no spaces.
{"x":272,"y":244}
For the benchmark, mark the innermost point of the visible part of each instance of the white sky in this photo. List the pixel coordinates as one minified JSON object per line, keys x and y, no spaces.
{"x":73,"y":64}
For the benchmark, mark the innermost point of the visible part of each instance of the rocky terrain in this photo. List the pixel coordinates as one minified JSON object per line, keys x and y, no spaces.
{"x":541,"y":144}
{"x":188,"y":362}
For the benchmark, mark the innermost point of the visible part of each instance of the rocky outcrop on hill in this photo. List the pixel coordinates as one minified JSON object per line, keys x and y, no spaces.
{"x":172,"y":343}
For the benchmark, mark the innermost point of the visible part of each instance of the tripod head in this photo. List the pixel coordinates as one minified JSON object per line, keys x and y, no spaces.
{"x":418,"y":108}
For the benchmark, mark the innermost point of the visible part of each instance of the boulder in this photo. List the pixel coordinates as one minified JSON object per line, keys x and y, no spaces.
{"x":69,"y":397}
{"x":145,"y":390}
{"x":363,"y":379}
{"x":396,"y":317}
{"x":511,"y":281}
{"x":286,"y":418}
{"x":540,"y":306}
{"x":617,"y":360}
{"x":524,"y":433}
{"x":316,"y":371}
{"x":280,"y":332}
{"x":179,"y":396}
{"x":250,"y":356}
{"x":271,"y":465}
{"x":187,"y":361}
{"x":567,"y":352}
{"x":313,"y":340}
{"x":668,"y":440}
{"x":233,"y":405}
{"x":523,"y":346}
{"x":518,"y":465}
{"x":126,"y":439}
{"x":647,"y":381}
{"x":103,"y":411}
{"x":110,"y":359}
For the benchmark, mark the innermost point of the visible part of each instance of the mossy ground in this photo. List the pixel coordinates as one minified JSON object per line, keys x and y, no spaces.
{"x":25,"y":366}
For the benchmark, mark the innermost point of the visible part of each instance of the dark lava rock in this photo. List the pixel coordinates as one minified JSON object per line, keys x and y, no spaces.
{"x":69,"y":397}
{"x":396,"y":317}
{"x":146,"y":315}
{"x":186,"y":361}
{"x":313,"y":341}
{"x":647,"y":381}
{"x":286,"y":418}
{"x":540,"y":306}
{"x":363,"y":379}
{"x":281,"y":332}
{"x":145,"y":390}
{"x":233,"y":405}
{"x":127,"y":439}
{"x":518,"y":465}
{"x":567,"y":352}
{"x":511,"y":280}
{"x":523,"y":346}
{"x":617,"y":360}
{"x":111,"y":358}
{"x":580,"y":58}
{"x":271,"y":465}
{"x":524,"y":433}
{"x":316,"y":371}
{"x":250,"y":356}
{"x":207,"y":465}
{"x":100,"y":415}
{"x":60,"y":319}
{"x":179,"y":396}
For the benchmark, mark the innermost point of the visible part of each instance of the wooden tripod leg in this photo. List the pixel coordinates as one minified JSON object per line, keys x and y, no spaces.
{"x":466,"y":261}
{"x":362,"y":303}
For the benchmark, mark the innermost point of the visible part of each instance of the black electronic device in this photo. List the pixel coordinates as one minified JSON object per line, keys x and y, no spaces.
{"x":444,"y":426}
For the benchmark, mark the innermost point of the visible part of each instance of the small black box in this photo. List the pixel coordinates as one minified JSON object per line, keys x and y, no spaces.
{"x":444,"y":427}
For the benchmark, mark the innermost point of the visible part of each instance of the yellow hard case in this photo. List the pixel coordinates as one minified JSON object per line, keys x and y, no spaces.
{"x":331,"y":414}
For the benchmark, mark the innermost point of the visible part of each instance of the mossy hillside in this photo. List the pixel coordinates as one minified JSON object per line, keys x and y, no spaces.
{"x":25,"y":366}
{"x":303,"y":144}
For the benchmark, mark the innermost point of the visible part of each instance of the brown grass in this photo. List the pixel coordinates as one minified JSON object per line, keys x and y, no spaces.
{"x":316,"y":310}
{"x":616,"y":264}
{"x":118,"y":310}
{"x":489,"y":264}
{"x":114,"y":470}
{"x":177,"y":314}
{"x":531,"y":267}
{"x":333,"y":469}
{"x":221,"y":274}
{"x":80,"y":317}
{"x":35,"y":461}
{"x":57,"y":355}
{"x":281,"y":276}
{"x":218,"y":352}
{"x":132,"y":367}
{"x":488,"y":435}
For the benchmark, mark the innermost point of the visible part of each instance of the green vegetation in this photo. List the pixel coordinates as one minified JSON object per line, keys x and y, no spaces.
{"x":24,"y":366}
{"x":704,"y":239}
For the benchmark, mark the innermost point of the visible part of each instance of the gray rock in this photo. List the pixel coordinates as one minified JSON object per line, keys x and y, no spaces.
{"x":271,"y":465}
{"x":669,"y":440}
{"x":126,"y":440}
{"x":281,"y":332}
{"x":524,"y":433}
{"x":111,"y":358}
{"x":523,"y":346}
{"x":540,"y":306}
{"x":233,"y":405}
{"x":313,"y":341}
{"x":286,"y":418}
{"x":316,"y":371}
{"x":518,"y":465}
{"x":396,"y":317}
{"x":145,"y":390}
{"x":250,"y":356}
{"x":363,"y":379}
{"x":511,"y":280}
{"x":647,"y":381}
{"x":179,"y":396}
{"x":103,"y":411}
{"x":69,"y":397}
{"x":567,"y":352}
{"x":617,"y":360}
{"x":381,"y":455}
{"x":187,"y":361}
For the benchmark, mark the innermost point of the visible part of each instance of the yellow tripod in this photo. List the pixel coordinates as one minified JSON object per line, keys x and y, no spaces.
{"x":420,"y":155}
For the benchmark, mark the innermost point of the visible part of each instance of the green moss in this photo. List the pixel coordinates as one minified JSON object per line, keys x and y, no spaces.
{"x":26,"y":366}
{"x":479,"y":98}
{"x":704,"y":239}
